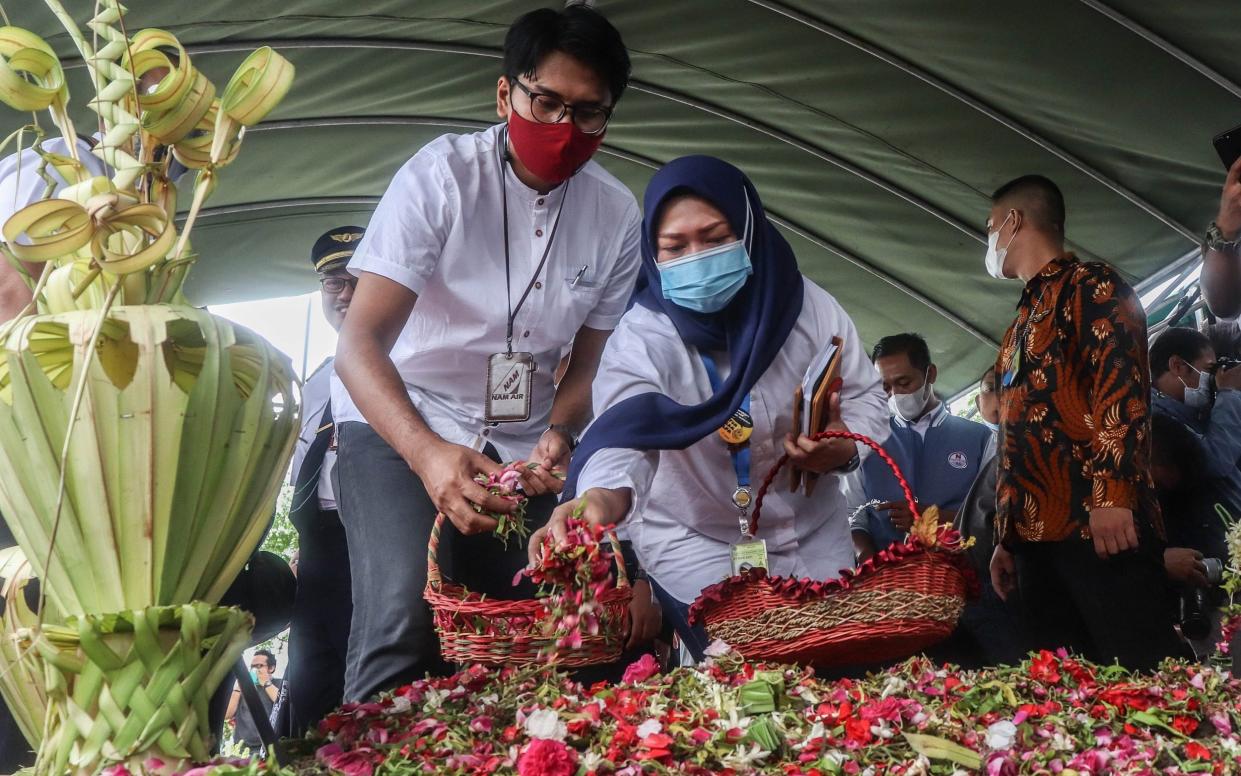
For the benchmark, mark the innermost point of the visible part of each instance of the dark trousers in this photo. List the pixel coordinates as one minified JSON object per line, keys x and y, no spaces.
{"x":1117,"y":610}
{"x":991,"y":632}
{"x":319,"y":633}
{"x":694,"y":637}
{"x":388,"y":516}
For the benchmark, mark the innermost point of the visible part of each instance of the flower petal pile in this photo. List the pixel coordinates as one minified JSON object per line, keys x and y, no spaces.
{"x":1053,"y":714}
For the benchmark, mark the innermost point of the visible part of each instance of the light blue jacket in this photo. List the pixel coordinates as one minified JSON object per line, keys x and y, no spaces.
{"x":939,"y":469}
{"x":1219,"y":430}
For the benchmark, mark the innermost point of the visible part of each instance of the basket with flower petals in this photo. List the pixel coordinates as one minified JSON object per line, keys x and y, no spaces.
{"x":581,"y":620}
{"x":904,"y":599}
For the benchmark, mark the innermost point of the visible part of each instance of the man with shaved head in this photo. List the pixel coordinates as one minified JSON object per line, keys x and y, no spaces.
{"x":1078,"y":526}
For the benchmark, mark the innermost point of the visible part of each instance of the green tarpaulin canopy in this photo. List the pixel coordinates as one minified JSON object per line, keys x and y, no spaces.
{"x":874,"y":131}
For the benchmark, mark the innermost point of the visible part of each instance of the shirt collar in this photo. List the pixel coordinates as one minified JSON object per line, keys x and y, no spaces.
{"x":1054,"y":268}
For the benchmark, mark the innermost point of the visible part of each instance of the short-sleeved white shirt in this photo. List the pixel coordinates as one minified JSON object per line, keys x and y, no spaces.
{"x":439,"y":231}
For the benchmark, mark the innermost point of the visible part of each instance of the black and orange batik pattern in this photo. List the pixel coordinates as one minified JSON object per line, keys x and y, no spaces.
{"x":1074,"y":415}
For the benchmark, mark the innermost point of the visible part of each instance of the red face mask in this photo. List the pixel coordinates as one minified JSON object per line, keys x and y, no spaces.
{"x":553,"y":152}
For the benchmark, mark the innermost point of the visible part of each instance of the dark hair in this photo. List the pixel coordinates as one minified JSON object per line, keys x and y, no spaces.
{"x":579,"y":31}
{"x":1177,"y":341}
{"x":1035,"y":196}
{"x":912,"y":345}
{"x":271,"y":659}
{"x":991,"y":372}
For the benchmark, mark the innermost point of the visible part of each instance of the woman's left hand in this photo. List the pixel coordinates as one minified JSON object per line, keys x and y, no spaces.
{"x":825,"y":455}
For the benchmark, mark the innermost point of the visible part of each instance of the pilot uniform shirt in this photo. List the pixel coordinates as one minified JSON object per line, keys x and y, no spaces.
{"x":939,"y":455}
{"x":315,"y":394}
{"x":439,"y":231}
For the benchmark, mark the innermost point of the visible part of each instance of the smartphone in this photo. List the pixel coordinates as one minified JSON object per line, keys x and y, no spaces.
{"x":1228,"y":146}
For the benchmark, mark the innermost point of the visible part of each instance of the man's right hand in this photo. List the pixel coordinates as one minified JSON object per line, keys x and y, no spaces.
{"x":898,"y":512}
{"x":447,"y":472}
{"x":1229,"y":217}
{"x":1003,"y":572}
{"x":1229,"y":379}
{"x":1185,"y":567}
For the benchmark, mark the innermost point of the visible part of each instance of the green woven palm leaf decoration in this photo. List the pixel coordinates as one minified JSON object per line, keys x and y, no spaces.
{"x":184,"y":429}
{"x":21,"y":677}
{"x":133,"y":688}
{"x":142,"y":441}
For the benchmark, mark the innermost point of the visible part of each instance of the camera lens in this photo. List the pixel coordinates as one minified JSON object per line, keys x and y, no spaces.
{"x":1215,"y":570}
{"x":1195,"y":622}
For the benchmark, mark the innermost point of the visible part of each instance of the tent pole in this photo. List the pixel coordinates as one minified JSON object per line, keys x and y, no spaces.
{"x":306,"y":339}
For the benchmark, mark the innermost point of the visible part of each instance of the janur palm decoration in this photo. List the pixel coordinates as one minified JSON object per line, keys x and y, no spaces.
{"x":141,"y":440}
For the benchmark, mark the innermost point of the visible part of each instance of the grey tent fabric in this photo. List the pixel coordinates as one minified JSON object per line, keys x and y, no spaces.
{"x":875,"y":131}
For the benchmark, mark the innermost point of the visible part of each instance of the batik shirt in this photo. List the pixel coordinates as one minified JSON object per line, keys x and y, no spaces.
{"x":1074,"y":406}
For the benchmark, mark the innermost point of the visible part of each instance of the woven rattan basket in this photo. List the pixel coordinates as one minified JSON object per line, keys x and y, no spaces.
{"x":498,"y":632}
{"x":905,"y":599}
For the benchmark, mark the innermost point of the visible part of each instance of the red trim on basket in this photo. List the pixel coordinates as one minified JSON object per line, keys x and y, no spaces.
{"x":806,"y":589}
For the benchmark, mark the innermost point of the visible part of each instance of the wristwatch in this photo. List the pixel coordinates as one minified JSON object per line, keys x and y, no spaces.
{"x":563,"y":429}
{"x":1217,"y":242}
{"x":851,"y":466}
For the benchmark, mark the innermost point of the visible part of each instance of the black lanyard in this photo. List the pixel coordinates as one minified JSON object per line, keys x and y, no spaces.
{"x":508,"y":293}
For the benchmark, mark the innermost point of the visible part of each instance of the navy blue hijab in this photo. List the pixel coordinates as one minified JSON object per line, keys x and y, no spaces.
{"x":752,"y":328}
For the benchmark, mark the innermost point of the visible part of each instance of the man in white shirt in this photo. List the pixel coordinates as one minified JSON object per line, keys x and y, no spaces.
{"x":489,"y":254}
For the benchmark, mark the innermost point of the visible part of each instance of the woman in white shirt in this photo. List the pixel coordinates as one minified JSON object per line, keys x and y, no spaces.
{"x":722,"y":329}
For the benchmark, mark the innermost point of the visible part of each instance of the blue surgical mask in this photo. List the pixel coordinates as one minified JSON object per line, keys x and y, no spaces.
{"x":707,"y":281}
{"x":992,"y":426}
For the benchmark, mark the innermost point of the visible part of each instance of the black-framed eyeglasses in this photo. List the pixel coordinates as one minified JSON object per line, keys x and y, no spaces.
{"x":548,"y":109}
{"x":334,"y":284}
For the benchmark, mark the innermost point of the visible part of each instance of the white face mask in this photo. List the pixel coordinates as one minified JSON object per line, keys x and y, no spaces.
{"x":1198,"y":398}
{"x":911,"y":406}
{"x":996,"y":255}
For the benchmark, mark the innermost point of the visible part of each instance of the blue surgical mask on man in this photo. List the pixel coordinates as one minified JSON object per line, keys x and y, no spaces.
{"x":707,"y":281}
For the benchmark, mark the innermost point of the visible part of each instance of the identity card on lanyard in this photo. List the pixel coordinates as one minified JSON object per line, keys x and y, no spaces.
{"x":749,"y":552}
{"x":510,"y":376}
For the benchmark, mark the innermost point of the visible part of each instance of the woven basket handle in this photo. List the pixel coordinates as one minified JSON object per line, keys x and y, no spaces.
{"x":436,"y":580}
{"x":872,"y":444}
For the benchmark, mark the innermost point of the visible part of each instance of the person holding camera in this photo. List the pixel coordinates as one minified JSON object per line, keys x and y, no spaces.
{"x":1197,"y":509}
{"x":1192,"y":386}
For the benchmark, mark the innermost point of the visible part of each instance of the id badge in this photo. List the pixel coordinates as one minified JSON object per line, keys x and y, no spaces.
{"x":509,"y":378}
{"x":749,"y":554}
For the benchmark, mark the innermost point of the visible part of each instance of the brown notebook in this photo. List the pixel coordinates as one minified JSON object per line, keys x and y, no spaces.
{"x":810,"y":416}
